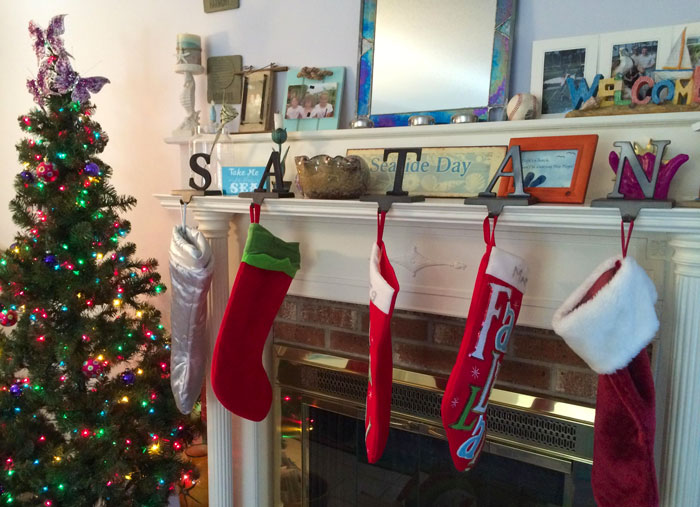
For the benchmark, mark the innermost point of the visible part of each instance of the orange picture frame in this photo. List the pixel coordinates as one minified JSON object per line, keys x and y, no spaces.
{"x":575,"y":192}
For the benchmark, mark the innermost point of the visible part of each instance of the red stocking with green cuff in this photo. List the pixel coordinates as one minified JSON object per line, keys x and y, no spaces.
{"x":498,"y":292}
{"x":384,"y":287}
{"x":267,"y":268}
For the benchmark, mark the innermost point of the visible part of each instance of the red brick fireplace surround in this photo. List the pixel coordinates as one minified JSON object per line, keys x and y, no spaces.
{"x":538,"y":361}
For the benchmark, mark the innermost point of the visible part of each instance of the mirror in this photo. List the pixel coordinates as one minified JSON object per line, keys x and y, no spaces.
{"x":436,"y":57}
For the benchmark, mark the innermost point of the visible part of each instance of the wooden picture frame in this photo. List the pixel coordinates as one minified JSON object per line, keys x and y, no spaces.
{"x":256,"y":101}
{"x":565,"y":160}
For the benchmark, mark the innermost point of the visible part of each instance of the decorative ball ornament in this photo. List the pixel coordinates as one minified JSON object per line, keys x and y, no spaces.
{"x":128,"y":377}
{"x":27,"y":176}
{"x":8,"y":318}
{"x":47,"y":171}
{"x":523,"y":106}
{"x":92,"y":368}
{"x":16,"y":390}
{"x":92,"y":169}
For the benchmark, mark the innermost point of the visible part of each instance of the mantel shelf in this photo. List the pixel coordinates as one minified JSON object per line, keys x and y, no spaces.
{"x":450,"y":212}
{"x":517,"y":128}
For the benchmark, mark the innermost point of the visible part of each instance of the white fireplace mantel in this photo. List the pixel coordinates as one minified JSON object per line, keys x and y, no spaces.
{"x":435,"y":248}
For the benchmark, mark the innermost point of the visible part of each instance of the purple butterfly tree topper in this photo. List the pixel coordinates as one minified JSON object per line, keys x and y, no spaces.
{"x":56,"y":75}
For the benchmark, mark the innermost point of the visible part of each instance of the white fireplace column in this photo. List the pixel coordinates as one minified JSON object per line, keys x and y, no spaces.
{"x":680,"y":459}
{"x":215,"y":227}
{"x":239,"y":451}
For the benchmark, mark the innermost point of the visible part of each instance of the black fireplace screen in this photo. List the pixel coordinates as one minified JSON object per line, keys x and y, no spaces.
{"x":415,"y":470}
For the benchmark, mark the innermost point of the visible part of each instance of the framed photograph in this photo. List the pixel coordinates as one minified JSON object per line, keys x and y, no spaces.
{"x":313,"y":104}
{"x":555,"y":60}
{"x":632,"y":54}
{"x":256,"y":102}
{"x":441,"y":172}
{"x":311,"y":101}
{"x":555,"y":169}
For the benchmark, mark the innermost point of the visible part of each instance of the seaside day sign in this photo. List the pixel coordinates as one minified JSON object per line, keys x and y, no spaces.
{"x":441,"y":172}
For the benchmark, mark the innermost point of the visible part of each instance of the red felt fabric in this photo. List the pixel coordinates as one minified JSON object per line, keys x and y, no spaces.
{"x":623,"y":447}
{"x":625,"y":423}
{"x":469,"y":387}
{"x":237,"y":374}
{"x":378,"y":411}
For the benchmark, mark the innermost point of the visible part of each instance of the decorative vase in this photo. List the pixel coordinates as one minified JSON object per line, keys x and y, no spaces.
{"x":325,"y":177}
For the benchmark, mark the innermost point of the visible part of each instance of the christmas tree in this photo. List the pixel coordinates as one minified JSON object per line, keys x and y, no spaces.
{"x":87,"y":416}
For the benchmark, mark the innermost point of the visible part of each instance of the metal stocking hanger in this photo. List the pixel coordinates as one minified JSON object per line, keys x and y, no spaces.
{"x":397,"y":194}
{"x":630,"y":208}
{"x":280,"y":190}
{"x":518,"y":197}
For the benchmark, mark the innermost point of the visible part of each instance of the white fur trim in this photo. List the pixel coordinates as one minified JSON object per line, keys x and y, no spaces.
{"x":609,"y":331}
{"x":380,"y":292}
{"x":508,"y":267}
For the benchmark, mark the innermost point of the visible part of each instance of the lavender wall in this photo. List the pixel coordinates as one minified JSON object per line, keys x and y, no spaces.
{"x":133,"y":43}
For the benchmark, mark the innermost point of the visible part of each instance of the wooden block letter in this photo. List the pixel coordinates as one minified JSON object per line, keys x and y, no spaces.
{"x":606,"y":92}
{"x":696,"y":84}
{"x":684,"y":92}
{"x":656,"y":91}
{"x":644,"y":80}
{"x":619,"y":86}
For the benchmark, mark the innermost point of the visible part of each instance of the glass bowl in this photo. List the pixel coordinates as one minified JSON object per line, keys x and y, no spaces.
{"x":325,"y":177}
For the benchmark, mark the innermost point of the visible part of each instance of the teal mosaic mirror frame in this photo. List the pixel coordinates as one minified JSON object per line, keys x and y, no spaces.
{"x":500,"y":70}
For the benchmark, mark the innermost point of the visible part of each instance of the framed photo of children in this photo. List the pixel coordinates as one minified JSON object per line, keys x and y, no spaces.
{"x":555,"y":169}
{"x":556,"y":60}
{"x":313,"y":104}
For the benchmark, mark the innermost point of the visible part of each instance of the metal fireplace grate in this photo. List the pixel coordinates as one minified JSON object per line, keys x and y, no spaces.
{"x":518,"y":425}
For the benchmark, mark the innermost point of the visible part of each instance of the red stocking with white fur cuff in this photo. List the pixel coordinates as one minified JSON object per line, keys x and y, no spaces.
{"x":384,"y":287}
{"x":608,"y":321}
{"x":493,"y":312}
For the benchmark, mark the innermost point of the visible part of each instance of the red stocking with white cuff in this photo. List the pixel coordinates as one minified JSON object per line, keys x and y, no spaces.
{"x":609,"y":321}
{"x":384,"y":287}
{"x":494,"y":309}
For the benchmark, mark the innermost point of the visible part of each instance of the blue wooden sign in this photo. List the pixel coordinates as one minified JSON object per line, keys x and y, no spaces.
{"x":235,"y":180}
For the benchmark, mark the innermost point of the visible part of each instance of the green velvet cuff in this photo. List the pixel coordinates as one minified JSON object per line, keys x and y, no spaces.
{"x":264,"y":250}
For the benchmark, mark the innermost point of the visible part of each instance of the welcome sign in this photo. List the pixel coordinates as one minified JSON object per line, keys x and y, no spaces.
{"x":441,"y":172}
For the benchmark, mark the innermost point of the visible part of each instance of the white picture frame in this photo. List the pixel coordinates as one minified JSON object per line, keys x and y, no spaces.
{"x":571,"y":56}
{"x":654,"y":44}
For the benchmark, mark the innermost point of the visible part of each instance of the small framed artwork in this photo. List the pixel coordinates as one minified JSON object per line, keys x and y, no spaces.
{"x":219,"y":5}
{"x":632,"y":54}
{"x":556,"y":60}
{"x":224,"y":79}
{"x":555,"y":169}
{"x":235,"y":180}
{"x":256,"y":102}
{"x":313,"y":104}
